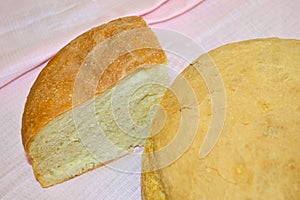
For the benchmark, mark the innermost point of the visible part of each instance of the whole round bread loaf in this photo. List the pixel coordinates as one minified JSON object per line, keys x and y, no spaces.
{"x":257,"y":155}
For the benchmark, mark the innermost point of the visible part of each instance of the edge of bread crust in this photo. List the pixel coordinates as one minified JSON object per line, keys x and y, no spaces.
{"x":57,"y":79}
{"x":151,"y":186}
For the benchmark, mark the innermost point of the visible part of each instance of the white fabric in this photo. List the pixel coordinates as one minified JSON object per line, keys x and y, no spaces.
{"x":210,"y":24}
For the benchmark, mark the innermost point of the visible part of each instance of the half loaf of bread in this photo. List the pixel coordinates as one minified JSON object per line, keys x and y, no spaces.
{"x":257,"y":155}
{"x":94,"y":100}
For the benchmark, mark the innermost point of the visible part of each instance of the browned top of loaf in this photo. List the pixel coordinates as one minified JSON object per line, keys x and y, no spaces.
{"x":51,"y":94}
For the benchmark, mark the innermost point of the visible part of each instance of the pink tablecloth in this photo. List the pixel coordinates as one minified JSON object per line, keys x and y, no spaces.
{"x":32,"y":31}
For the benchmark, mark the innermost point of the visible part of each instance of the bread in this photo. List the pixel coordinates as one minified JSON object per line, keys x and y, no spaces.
{"x":257,"y":155}
{"x":91,"y":103}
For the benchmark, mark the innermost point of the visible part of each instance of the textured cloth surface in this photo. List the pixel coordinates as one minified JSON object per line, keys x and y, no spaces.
{"x":26,"y":44}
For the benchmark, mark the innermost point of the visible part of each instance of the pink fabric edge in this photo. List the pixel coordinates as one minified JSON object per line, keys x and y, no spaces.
{"x":154,"y":9}
{"x":26,"y":72}
{"x":177,"y":14}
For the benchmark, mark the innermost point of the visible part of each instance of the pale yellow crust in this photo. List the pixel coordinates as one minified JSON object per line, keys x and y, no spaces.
{"x":258,"y":153}
{"x":152,"y":186}
{"x":51,"y":94}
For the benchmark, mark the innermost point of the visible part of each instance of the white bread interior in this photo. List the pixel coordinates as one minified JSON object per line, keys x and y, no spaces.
{"x":68,"y":145}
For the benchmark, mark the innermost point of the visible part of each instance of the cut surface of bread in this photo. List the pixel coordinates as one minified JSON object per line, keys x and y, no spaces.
{"x":258,"y":153}
{"x":94,"y":100}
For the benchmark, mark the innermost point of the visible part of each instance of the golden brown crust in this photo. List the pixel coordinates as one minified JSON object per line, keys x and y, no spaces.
{"x":258,"y":153}
{"x":51,"y":94}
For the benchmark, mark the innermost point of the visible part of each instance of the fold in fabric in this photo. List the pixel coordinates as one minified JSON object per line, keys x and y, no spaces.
{"x":33,"y":31}
{"x":169,"y":10}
